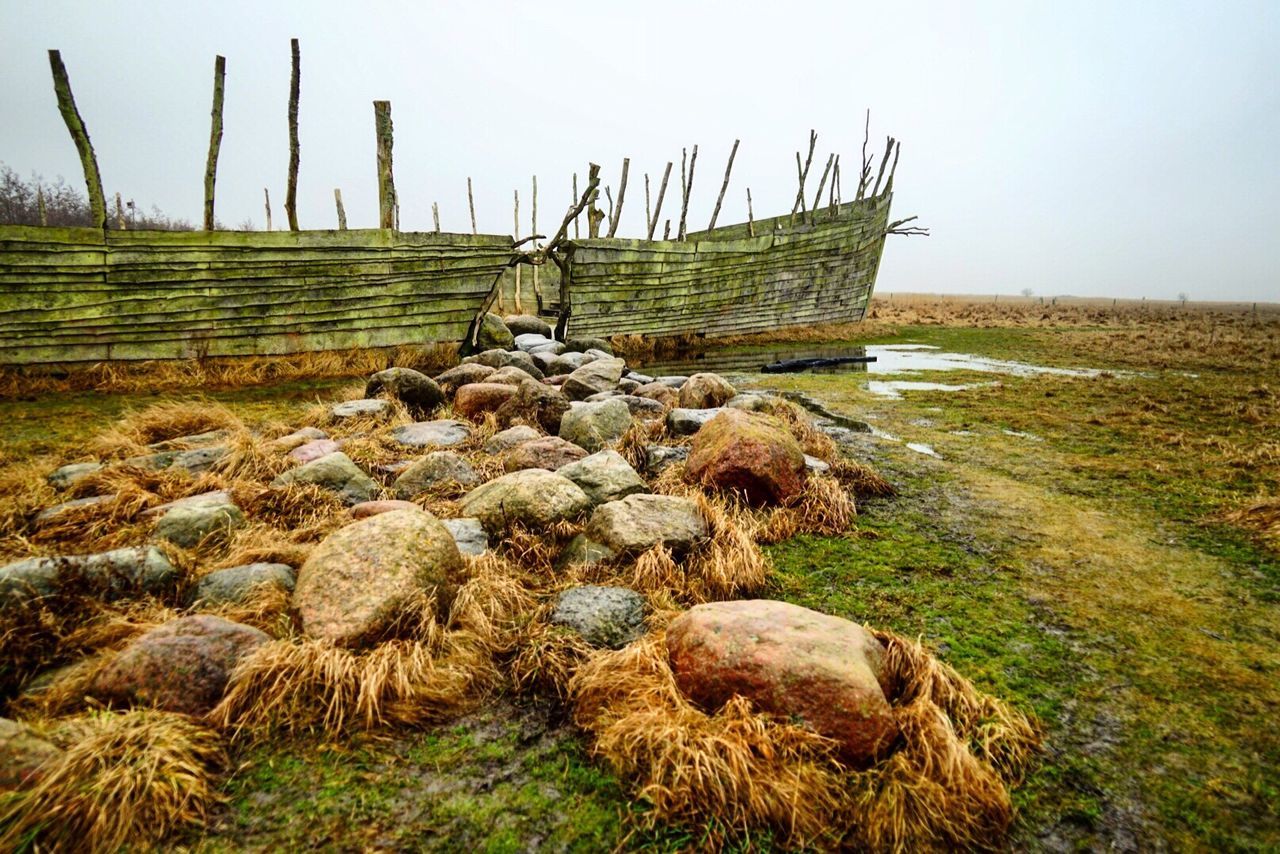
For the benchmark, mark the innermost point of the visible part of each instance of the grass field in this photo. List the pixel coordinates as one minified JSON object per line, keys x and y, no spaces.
{"x":1101,"y":550}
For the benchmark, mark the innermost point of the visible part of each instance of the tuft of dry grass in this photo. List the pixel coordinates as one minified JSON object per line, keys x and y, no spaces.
{"x":124,"y":780}
{"x":736,"y":771}
{"x":161,"y":422}
{"x":1262,"y":517}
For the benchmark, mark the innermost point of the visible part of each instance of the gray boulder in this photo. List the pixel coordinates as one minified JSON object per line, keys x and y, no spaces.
{"x":239,"y":584}
{"x":435,"y":468}
{"x":425,"y":434}
{"x":536,"y":403}
{"x":643,"y":407}
{"x":494,"y":334}
{"x":658,"y":457}
{"x":335,"y":471}
{"x":67,"y":476}
{"x":366,"y":408}
{"x":414,"y":389}
{"x":464,"y":374}
{"x":595,"y":425}
{"x":593,"y":378}
{"x":567,"y":363}
{"x":110,"y":575}
{"x":610,"y":617}
{"x":534,"y":497}
{"x":672,"y":382}
{"x":468,"y":534}
{"x":584,"y":551}
{"x":640,"y":521}
{"x":298,"y":438}
{"x":582,"y":345}
{"x":604,"y":476}
{"x":527,"y":324}
{"x":530,"y":341}
{"x":706,"y":391}
{"x":686,"y":422}
{"x":189,"y":525}
{"x":217,"y":496}
{"x":505,"y":440}
{"x":198,"y":460}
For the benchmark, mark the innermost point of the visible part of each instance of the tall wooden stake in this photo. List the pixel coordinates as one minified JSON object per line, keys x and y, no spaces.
{"x":80,"y":135}
{"x":576,"y":235}
{"x":822,"y":184}
{"x":865,"y":177}
{"x":119,"y":213}
{"x":291,"y":194}
{"x":666,"y":230}
{"x":622,"y":193}
{"x":657,"y":210}
{"x":888,"y":187}
{"x":41,"y":210}
{"x":648,"y":213}
{"x":267,"y":199}
{"x":342,"y":212}
{"x":435,"y":216}
{"x":215,"y":139}
{"x":688,"y":190}
{"x":751,"y":216}
{"x":724,"y":186}
{"x":471,"y":205}
{"x":386,"y":179}
{"x":883,"y":162}
{"x":516,"y":235}
{"x":803,"y":175}
{"x":533,"y":222}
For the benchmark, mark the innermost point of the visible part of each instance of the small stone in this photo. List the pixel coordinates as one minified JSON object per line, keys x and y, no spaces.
{"x":751,"y":402}
{"x":596,"y":425}
{"x":50,"y":514}
{"x":536,"y":403}
{"x":198,"y":460}
{"x":545,"y":452}
{"x":191,"y":440}
{"x":533,"y":497}
{"x":298,"y":437}
{"x":593,"y":377}
{"x":474,"y":400}
{"x":365,"y":509}
{"x":366,"y":408}
{"x":604,"y":476}
{"x":460,"y":375}
{"x":705,"y":391}
{"x":505,"y":440}
{"x":412,"y":388}
{"x":66,"y":476}
{"x":583,"y":551}
{"x":468,"y":534}
{"x":527,"y":324}
{"x":675,"y":383}
{"x":582,"y":345}
{"x":568,"y":362}
{"x":494,"y":334}
{"x":815,"y":465}
{"x":686,"y":422}
{"x":658,"y":457}
{"x":425,"y":434}
{"x":240,"y":584}
{"x":641,"y":521}
{"x":609,"y":617}
{"x":436,"y":468}
{"x":663,"y":394}
{"x":638,"y":378}
{"x":626,"y":385}
{"x":336,"y":472}
{"x":191,"y":525}
{"x":217,"y":496}
{"x":314,"y":450}
{"x":510,"y":375}
{"x":643,"y":407}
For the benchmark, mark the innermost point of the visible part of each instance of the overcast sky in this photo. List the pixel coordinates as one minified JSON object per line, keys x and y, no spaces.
{"x":1089,"y":148}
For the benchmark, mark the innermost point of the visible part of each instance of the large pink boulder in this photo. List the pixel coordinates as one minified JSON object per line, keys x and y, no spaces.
{"x":749,"y":453}
{"x":181,"y":666}
{"x":823,"y":672}
{"x":475,"y":399}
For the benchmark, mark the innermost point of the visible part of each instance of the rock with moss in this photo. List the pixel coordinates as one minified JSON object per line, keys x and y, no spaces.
{"x":593,"y":378}
{"x":609,"y":617}
{"x":545,"y":452}
{"x":115,"y":574}
{"x":433,"y":470}
{"x":536,"y":498}
{"x":64,"y":477}
{"x":494,"y":334}
{"x":469,"y":535}
{"x":362,"y":577}
{"x":750,"y":454}
{"x":598,"y":425}
{"x":639,"y":522}
{"x":505,"y":440}
{"x":605,"y":476}
{"x":190,"y":525}
{"x":413,"y":388}
{"x":364,"y":408}
{"x":335,"y":472}
{"x":527,"y":324}
{"x":238,"y":585}
{"x":582,"y":345}
{"x":535,"y":403}
{"x":443,"y":433}
{"x":460,"y":375}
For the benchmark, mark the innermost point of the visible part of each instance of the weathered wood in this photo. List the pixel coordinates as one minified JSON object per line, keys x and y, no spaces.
{"x":80,"y":136}
{"x":575,"y":200}
{"x":724,"y":185}
{"x":342,"y":211}
{"x":471,"y":205}
{"x":267,"y":201}
{"x":215,"y":140}
{"x":616,"y":214}
{"x":647,"y":206}
{"x":888,"y":149}
{"x":751,"y":216}
{"x":435,"y":216}
{"x":888,"y":187}
{"x":803,"y":174}
{"x":291,"y":192}
{"x":516,"y":235}
{"x":386,"y":178}
{"x":41,"y":211}
{"x":662,"y":192}
{"x":120,"y":223}
{"x":865,"y":176}
{"x":533,"y":222}
{"x":822,"y":183}
{"x":688,"y":190}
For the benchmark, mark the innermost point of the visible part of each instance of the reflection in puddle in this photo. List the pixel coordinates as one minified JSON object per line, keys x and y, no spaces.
{"x":894,"y":389}
{"x":908,"y":358}
{"x":922,"y":449}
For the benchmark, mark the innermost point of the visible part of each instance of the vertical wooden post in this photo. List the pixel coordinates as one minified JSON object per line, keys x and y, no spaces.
{"x":657,"y":209}
{"x":648,"y":210}
{"x":41,"y":210}
{"x":888,"y":186}
{"x":576,"y":234}
{"x":471,"y":203}
{"x":622,"y":192}
{"x":267,"y":198}
{"x":215,"y":139}
{"x":291,"y":193}
{"x":865,"y":177}
{"x":120,"y":213}
{"x":533,"y":221}
{"x":822,"y":183}
{"x":80,"y":135}
{"x":594,"y":215}
{"x":666,"y":230}
{"x":386,"y":179}
{"x":688,"y":190}
{"x":883,"y":162}
{"x":435,"y":216}
{"x":751,"y":216}
{"x":516,"y":235}
{"x":724,"y":186}
{"x":342,"y":212}
{"x":803,"y":174}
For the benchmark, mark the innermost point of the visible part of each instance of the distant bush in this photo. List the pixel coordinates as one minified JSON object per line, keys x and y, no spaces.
{"x":67,"y":206}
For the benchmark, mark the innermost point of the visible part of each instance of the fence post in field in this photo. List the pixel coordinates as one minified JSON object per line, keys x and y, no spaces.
{"x":724,"y":185}
{"x":215,"y":139}
{"x":80,"y":135}
{"x":387,"y":201}
{"x":291,"y":189}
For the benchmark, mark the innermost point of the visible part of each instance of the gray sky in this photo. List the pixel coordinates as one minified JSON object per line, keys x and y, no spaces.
{"x":1089,"y":148}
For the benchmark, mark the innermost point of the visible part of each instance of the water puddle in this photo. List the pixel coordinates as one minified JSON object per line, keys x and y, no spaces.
{"x":910,"y":358}
{"x":922,"y":449}
{"x":895,"y":388}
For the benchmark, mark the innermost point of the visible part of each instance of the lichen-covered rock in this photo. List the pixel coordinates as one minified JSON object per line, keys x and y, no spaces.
{"x":643,"y":407}
{"x":361,"y":577}
{"x":535,"y":403}
{"x":297,"y":438}
{"x":190,"y":525}
{"x":533,"y":497}
{"x":822,"y":672}
{"x":22,"y":755}
{"x":494,"y":334}
{"x":444,"y":433}
{"x":336,"y":472}
{"x":67,"y":476}
{"x":365,"y":509}
{"x":582,"y":345}
{"x":584,"y":551}
{"x":460,"y":375}
{"x":705,"y":391}
{"x":107,"y":575}
{"x":658,"y":457}
{"x":435,"y":468}
{"x":604,"y":476}
{"x":748,"y":453}
{"x":181,"y":666}
{"x":198,"y":460}
{"x":413,"y":388}
{"x":474,"y":400}
{"x":51,"y":514}
{"x":672,"y":382}
{"x":498,"y":359}
{"x":751,"y":402}
{"x":468,"y":534}
{"x":365,"y":408}
{"x":505,"y":440}
{"x":314,"y":450}
{"x":510,"y":375}
{"x":641,"y":521}
{"x":527,"y":324}
{"x":596,"y":425}
{"x":545,"y":452}
{"x":593,"y":378}
{"x":530,"y":341}
{"x":213,"y":497}
{"x":685,"y":422}
{"x":609,"y":617}
{"x":239,"y":584}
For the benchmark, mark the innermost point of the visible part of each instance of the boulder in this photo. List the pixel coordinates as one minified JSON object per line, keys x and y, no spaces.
{"x":22,"y":753}
{"x":822,"y":672}
{"x":530,"y":341}
{"x":198,"y":460}
{"x":534,"y":497}
{"x":437,"y":467}
{"x":527,"y":324}
{"x":494,"y":334}
{"x":334,"y":471}
{"x":414,"y":389}
{"x":671,"y":382}
{"x":51,"y":514}
{"x":496,"y":358}
{"x":510,"y":375}
{"x":109,"y":575}
{"x":595,"y":425}
{"x":217,"y":496}
{"x":685,"y":422}
{"x":568,"y":362}
{"x":545,"y":452}
{"x":584,"y":551}
{"x":239,"y":584}
{"x":468,"y":534}
{"x":638,"y":378}
{"x":67,"y":476}
{"x":604,"y":476}
{"x":536,"y":403}
{"x":705,"y":391}
{"x":658,"y":457}
{"x":474,"y":400}
{"x":505,"y":440}
{"x":551,"y":348}
{"x":460,"y":375}
{"x":626,"y":385}
{"x":359,"y":579}
{"x":641,"y":521}
{"x":544,"y":359}
{"x":427,"y":434}
{"x":604,"y":395}
{"x":314,"y":450}
{"x":643,"y":407}
{"x":190,"y":525}
{"x":297,"y":438}
{"x":593,"y":378}
{"x":751,"y":402}
{"x":366,"y":408}
{"x":181,"y":666}
{"x":750,"y":453}
{"x":609,"y":617}
{"x":523,"y":361}
{"x":582,"y":345}
{"x":365,"y":509}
